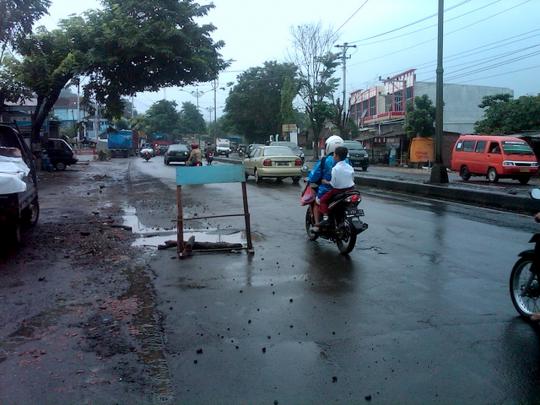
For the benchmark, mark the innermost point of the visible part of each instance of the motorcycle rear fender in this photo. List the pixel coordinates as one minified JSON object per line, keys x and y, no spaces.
{"x":527,"y":253}
{"x":359,"y":226}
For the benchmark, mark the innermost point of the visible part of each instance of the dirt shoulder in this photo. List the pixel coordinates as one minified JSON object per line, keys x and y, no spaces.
{"x":78,"y":321}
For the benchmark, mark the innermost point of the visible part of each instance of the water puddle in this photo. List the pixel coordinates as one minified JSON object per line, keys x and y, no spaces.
{"x":155,"y":236}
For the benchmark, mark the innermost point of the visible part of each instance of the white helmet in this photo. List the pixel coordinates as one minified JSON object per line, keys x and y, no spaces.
{"x":332,"y":143}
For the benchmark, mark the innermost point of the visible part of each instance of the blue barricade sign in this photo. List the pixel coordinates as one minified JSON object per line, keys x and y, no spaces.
{"x":210,"y":174}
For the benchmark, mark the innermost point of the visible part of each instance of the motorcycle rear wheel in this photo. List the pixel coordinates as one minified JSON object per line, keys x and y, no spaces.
{"x":347,"y":241}
{"x":309,"y":224}
{"x":525,"y":288}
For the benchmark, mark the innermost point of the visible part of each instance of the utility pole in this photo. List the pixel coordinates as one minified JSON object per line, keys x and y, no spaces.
{"x":197,"y":93}
{"x":438,"y":171}
{"x":215,"y":99}
{"x":344,"y":58}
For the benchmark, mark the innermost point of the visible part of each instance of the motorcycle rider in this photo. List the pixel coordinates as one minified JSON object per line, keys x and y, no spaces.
{"x":209,"y":153}
{"x":195,"y":157}
{"x":323,"y":170}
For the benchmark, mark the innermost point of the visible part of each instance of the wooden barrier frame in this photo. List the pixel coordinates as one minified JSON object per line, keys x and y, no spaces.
{"x":210,"y":175}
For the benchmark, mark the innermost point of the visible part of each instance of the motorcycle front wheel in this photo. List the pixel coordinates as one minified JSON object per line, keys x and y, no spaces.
{"x":525,"y":288}
{"x":345,"y":237}
{"x":309,"y":224}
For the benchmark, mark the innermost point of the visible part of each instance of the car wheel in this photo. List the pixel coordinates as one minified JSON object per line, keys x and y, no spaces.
{"x":60,"y":166}
{"x":166,"y":162}
{"x":524,"y":180}
{"x":296,"y":180}
{"x":492,"y":175}
{"x":257,"y":178}
{"x":465,"y":173}
{"x":30,"y":215}
{"x":364,"y":168}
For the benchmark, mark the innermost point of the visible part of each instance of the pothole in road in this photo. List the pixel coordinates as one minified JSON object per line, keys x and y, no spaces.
{"x":155,"y":236}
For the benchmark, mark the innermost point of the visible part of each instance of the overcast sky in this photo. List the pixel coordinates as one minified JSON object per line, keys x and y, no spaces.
{"x":497,"y":42}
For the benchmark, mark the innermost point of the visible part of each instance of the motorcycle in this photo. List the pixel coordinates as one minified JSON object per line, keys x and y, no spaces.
{"x":344,"y":220}
{"x":209,"y":158}
{"x":525,"y":276}
{"x":147,"y":154}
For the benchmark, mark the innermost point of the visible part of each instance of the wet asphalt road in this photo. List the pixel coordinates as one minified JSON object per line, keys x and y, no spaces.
{"x":418,"y":313}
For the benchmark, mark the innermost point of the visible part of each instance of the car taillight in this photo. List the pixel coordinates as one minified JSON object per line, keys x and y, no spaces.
{"x":298,"y":162}
{"x":267,"y":162}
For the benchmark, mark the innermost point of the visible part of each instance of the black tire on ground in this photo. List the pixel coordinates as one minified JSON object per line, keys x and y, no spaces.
{"x":227,"y":155}
{"x":524,"y":180}
{"x":520,"y":265}
{"x":247,"y":175}
{"x":60,"y":166}
{"x":166,"y":162}
{"x":346,"y":245}
{"x":11,"y":235}
{"x":364,"y":168}
{"x":309,"y":223}
{"x":296,"y":180}
{"x":465,"y":173}
{"x":492,"y":175}
{"x":30,"y":215}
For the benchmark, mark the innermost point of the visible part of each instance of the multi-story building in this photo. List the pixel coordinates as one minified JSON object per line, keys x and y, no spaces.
{"x":379,"y":111}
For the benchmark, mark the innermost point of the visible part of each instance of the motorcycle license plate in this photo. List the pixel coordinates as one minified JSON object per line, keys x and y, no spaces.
{"x":355,"y":213}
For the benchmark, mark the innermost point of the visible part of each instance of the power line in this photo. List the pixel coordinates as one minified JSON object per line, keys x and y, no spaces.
{"x":431,"y":26}
{"x":503,"y":74}
{"x":409,"y":24}
{"x":479,"y":49}
{"x":477,"y":62}
{"x":448,"y":33}
{"x":453,"y":75}
{"x":351,"y":16}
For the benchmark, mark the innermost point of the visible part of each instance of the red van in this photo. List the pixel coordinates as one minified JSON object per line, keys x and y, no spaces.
{"x":495,"y":157}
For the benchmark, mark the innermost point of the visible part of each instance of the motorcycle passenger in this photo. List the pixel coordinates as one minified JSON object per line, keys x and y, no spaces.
{"x":195,"y":157}
{"x":323,"y":171}
{"x":342,"y":180}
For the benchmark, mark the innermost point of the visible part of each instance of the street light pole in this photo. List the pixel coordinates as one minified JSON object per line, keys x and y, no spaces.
{"x":438,"y":171}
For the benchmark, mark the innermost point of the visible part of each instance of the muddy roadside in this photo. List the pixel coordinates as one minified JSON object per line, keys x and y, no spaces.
{"x":79,"y":322}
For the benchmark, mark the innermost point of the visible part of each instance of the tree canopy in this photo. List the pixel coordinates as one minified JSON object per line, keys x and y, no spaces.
{"x":312,"y":54}
{"x":420,"y":117}
{"x":505,"y":115}
{"x":191,"y":120}
{"x":126,"y":47}
{"x":163,"y":117}
{"x":254,"y":104}
{"x":17,"y":17}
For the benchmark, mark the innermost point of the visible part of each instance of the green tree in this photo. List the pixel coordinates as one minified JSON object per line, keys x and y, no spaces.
{"x":11,"y":87}
{"x":420,"y":117}
{"x":144,"y":45}
{"x":505,"y":115}
{"x":191,"y":119}
{"x":163,"y":117}
{"x":126,"y":47}
{"x":17,"y":18}
{"x":254,"y":103}
{"x":312,"y":45}
{"x":289,"y":91}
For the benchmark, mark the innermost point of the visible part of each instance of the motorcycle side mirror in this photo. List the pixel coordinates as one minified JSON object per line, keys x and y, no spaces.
{"x":305,"y":171}
{"x":535,"y":193}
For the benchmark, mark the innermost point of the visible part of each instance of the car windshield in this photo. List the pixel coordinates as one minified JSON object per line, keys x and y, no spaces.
{"x":517,"y":148}
{"x":278,"y":151}
{"x":291,"y":145}
{"x":353,"y":146}
{"x":178,"y":148}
